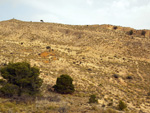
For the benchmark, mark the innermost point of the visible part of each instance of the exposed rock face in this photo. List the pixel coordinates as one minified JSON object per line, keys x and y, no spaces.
{"x":89,"y":54}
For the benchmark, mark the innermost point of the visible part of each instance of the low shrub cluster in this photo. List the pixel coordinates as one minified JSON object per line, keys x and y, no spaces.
{"x":21,"y":79}
{"x":122,"y":105}
{"x":129,"y":77}
{"x":130,"y":32}
{"x":143,"y":32}
{"x":64,"y":85}
{"x":115,"y":75}
{"x":115,"y":27}
{"x":93,"y":99}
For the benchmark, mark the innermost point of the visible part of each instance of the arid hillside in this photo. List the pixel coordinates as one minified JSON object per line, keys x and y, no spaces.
{"x":105,"y":60}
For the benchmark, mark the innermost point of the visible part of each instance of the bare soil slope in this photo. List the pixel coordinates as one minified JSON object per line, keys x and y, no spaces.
{"x":90,"y":54}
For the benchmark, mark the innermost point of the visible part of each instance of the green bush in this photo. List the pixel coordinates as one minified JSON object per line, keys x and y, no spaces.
{"x":143,"y":32}
{"x":48,"y":47}
{"x":129,"y":77}
{"x":9,"y":90}
{"x":93,"y":99}
{"x":115,"y":27}
{"x":115,"y":75}
{"x":130,"y":32}
{"x":22,"y":76}
{"x":2,"y":82}
{"x":64,"y":85}
{"x":122,"y":105}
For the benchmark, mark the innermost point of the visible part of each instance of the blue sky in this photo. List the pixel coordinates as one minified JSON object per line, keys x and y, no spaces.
{"x":130,"y":13}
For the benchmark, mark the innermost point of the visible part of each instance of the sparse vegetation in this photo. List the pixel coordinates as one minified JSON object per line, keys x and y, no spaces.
{"x":143,"y":32}
{"x":97,"y":52}
{"x":13,"y":107}
{"x":130,"y":32}
{"x":2,"y":81}
{"x":9,"y":90}
{"x":110,"y":111}
{"x":115,"y":75}
{"x":148,"y":94}
{"x":48,"y":47}
{"x":42,"y":21}
{"x":64,"y":85}
{"x":62,"y":109}
{"x":93,"y":99}
{"x":115,"y":27}
{"x":122,"y":105}
{"x":110,"y":104}
{"x":129,"y":77}
{"x":21,"y":79}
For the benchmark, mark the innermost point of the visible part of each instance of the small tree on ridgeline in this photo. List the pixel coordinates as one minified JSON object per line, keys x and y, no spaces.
{"x":21,"y":79}
{"x":64,"y":85}
{"x":115,"y":27}
{"x":143,"y":32}
{"x":130,"y":32}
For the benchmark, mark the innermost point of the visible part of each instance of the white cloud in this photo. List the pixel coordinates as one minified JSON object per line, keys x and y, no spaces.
{"x":89,"y":2}
{"x":13,"y":3}
{"x":121,"y":4}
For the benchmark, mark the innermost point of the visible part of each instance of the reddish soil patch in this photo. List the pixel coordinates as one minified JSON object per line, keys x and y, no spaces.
{"x":47,"y":54}
{"x":46,"y":61}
